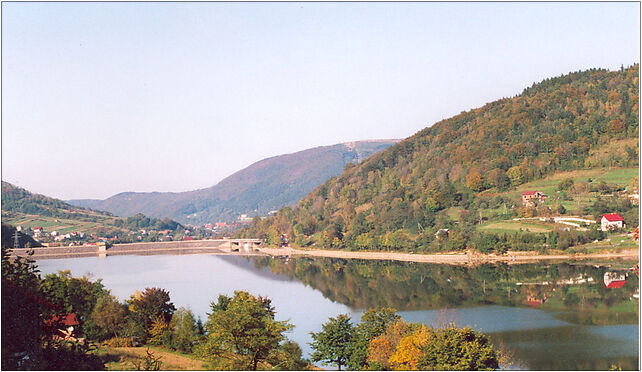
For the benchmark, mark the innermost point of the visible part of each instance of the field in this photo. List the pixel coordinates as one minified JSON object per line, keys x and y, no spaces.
{"x":512,"y":226}
{"x":123,"y":358}
{"x":574,"y":203}
{"x":61,"y":225}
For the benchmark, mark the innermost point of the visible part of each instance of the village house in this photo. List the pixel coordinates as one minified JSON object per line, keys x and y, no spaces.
{"x":37,"y":231}
{"x":611,"y":221}
{"x":532,"y":198}
{"x":62,"y":326}
{"x":614,"y":280}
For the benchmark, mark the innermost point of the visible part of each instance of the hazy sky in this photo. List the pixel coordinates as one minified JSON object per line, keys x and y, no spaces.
{"x":100,"y":98}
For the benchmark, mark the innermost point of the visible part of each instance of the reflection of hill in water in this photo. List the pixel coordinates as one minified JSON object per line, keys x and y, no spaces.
{"x":249,"y":264}
{"x":572,"y":348}
{"x":415,"y":286}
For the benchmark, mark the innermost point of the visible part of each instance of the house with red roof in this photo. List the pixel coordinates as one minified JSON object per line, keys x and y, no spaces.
{"x":614,"y":280}
{"x":611,"y":221}
{"x":532,"y":198}
{"x":62,"y":326}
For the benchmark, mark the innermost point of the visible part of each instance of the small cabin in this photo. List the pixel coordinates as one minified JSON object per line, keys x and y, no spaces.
{"x":63,"y":325}
{"x":532,"y":198}
{"x":614,"y":280}
{"x":612,"y":221}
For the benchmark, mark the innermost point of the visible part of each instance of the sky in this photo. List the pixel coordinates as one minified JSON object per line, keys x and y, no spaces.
{"x":102,"y":98}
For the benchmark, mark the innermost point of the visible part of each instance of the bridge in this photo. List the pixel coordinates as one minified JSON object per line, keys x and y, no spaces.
{"x":238,"y":245}
{"x":171,"y":247}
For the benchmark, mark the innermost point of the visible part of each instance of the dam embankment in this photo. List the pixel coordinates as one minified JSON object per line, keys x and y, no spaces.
{"x":219,"y":246}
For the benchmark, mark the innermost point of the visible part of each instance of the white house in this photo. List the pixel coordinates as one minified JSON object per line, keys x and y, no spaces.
{"x":612,"y":221}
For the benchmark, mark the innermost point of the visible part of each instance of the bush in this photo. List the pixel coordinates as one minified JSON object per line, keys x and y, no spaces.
{"x":566,"y":184}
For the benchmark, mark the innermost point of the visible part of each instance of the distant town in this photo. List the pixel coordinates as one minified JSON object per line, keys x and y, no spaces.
{"x":54,"y":238}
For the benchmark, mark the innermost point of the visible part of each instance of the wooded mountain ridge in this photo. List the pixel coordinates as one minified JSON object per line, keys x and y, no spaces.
{"x":400,"y":197}
{"x":266,"y":185}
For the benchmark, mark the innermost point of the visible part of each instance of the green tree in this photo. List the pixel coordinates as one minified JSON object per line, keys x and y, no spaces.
{"x":566,"y":184}
{"x":244,"y":324}
{"x":185,"y":330}
{"x":287,"y":357}
{"x":373,"y":323}
{"x":453,"y":348}
{"x":72,"y":295}
{"x":108,"y":315}
{"x":150,"y":306}
{"x":333,"y":343}
{"x":515,"y":175}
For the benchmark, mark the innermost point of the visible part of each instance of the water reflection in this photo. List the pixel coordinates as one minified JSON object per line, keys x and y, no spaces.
{"x":553,"y":316}
{"x":577,"y":292}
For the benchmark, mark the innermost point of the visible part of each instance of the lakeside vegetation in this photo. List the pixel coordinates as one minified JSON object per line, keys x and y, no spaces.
{"x":240,"y":333}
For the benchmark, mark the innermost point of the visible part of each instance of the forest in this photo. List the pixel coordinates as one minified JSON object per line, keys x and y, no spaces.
{"x":399,"y":199}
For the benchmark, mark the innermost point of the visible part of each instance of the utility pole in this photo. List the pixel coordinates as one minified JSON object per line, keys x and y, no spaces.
{"x":16,"y":242}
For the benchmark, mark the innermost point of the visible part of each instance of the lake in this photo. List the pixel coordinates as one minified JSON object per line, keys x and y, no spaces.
{"x":555,"y":316}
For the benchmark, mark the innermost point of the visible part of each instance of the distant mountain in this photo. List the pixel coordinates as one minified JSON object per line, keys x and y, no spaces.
{"x":263,"y":186}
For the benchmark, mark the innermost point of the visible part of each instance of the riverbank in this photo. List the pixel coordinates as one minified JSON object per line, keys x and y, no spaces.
{"x":449,"y":258}
{"x":217,"y":247}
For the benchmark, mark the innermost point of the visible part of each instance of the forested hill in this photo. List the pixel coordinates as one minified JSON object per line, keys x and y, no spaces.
{"x":266,"y":185}
{"x":581,"y":120}
{"x":21,"y":207}
{"x":18,"y":200}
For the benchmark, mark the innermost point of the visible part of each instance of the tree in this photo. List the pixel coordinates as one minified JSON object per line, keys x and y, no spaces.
{"x":108,"y":315}
{"x":151,"y":306}
{"x":288,"y":357}
{"x":515,"y":175}
{"x":244,"y":324}
{"x":72,"y":295}
{"x":22,"y":320}
{"x":382,"y":348}
{"x":333,"y":343}
{"x":498,"y":178}
{"x":474,"y":181}
{"x":409,"y":349}
{"x":453,"y":348}
{"x":373,"y":324}
{"x":566,"y":184}
{"x":185,"y":330}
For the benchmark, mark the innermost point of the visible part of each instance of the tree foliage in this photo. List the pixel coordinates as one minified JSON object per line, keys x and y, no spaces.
{"x":333,"y":343}
{"x":244,"y":324}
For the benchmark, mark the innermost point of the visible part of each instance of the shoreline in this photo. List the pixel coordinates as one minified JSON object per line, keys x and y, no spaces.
{"x":206,"y":247}
{"x":450,"y":258}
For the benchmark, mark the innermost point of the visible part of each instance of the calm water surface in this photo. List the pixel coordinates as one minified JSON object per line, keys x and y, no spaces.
{"x":554,"y":316}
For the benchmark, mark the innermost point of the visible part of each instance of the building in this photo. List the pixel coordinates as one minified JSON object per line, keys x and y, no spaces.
{"x":614,"y":280}
{"x":611,"y":221}
{"x":532,"y":198}
{"x":62,"y":327}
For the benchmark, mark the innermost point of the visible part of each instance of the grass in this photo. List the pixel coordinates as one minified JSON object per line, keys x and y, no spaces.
{"x":123,"y":358}
{"x":617,"y":243}
{"x":61,"y":225}
{"x":512,"y":226}
{"x":619,"y":176}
